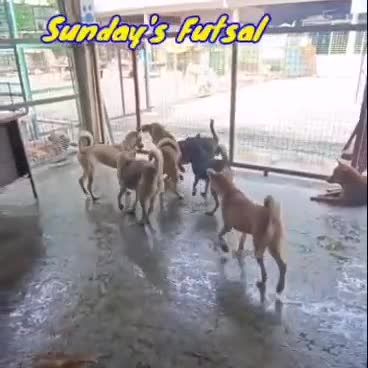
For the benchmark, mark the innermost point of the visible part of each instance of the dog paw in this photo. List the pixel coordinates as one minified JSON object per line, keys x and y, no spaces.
{"x":239,"y":253}
{"x":280,"y":287}
{"x":204,"y":195}
{"x":224,"y":247}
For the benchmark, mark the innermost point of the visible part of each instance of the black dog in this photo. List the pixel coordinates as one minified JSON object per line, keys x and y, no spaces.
{"x":201,"y":161}
{"x":208,"y":144}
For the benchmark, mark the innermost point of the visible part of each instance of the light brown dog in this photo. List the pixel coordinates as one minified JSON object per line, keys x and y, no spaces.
{"x":354,"y":187}
{"x":90,"y":153}
{"x":144,"y":177}
{"x":171,"y":155}
{"x":262,"y":222}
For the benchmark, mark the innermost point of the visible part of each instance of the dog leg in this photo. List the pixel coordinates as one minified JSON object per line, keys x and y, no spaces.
{"x":260,"y":262}
{"x":204,"y":194}
{"x":226,"y":229}
{"x":329,"y":198}
{"x":174,"y":186}
{"x":217,"y":203}
{"x":152,"y":205}
{"x":120,"y":196}
{"x":242,"y":240}
{"x":195,"y":183}
{"x":81,"y":183}
{"x":90,"y":184}
{"x":275,"y":253}
{"x":132,"y":210}
{"x":145,"y":219}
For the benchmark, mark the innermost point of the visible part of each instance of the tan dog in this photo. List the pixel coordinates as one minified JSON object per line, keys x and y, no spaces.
{"x":145,"y":177}
{"x":354,"y":187}
{"x":171,"y":155}
{"x":158,"y":133}
{"x":90,"y":153}
{"x":262,"y":222}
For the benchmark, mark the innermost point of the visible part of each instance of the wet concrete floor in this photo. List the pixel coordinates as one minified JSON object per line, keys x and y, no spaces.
{"x":81,"y":277}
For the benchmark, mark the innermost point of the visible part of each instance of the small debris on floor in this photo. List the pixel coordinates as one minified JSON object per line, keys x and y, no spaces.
{"x":61,"y":360}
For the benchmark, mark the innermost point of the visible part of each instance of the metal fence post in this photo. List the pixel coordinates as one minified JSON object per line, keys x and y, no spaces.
{"x":360,"y":136}
{"x":233,"y":90}
{"x":136,"y":89}
{"x":121,"y":79}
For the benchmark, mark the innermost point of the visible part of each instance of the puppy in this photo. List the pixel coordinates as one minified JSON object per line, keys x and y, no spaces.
{"x":158,"y":133}
{"x":90,"y":153}
{"x":354,"y":187}
{"x":171,"y":156}
{"x":262,"y":222}
{"x":209,"y":145}
{"x":142,"y":176}
{"x":201,"y":161}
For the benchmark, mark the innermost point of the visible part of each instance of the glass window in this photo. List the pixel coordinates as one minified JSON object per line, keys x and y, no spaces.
{"x":10,"y":88}
{"x":49,"y":72}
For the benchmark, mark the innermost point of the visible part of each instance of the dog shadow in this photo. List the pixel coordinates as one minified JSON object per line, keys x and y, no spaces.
{"x":143,"y":249}
{"x":169,"y":215}
{"x":235,"y":302}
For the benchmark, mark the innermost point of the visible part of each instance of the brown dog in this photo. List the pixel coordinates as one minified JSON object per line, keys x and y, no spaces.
{"x":90,"y":153}
{"x":262,"y":222}
{"x":144,"y":177}
{"x":157,"y":132}
{"x":354,"y":187}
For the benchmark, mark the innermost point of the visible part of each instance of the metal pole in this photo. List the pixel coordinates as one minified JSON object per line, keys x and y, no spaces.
{"x":100,"y":102}
{"x":121,"y":77}
{"x":147,"y":53}
{"x":234,"y":72}
{"x":359,"y":139}
{"x":136,"y":90}
{"x":146,"y":76}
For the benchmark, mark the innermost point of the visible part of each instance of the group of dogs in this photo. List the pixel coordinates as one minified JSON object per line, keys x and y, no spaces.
{"x":151,"y":178}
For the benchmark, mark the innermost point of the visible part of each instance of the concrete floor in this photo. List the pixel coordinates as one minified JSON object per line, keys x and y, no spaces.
{"x":81,"y":277}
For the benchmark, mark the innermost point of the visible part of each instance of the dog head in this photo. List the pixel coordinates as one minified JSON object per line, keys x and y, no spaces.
{"x":341,"y":174}
{"x":157,"y":132}
{"x":219,"y":182}
{"x":133,"y":141}
{"x":186,"y":148}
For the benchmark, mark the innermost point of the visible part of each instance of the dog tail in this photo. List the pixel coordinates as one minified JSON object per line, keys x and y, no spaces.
{"x":274,"y":230}
{"x":155,"y":154}
{"x":213,"y":131}
{"x":273,"y":208}
{"x":84,"y":137}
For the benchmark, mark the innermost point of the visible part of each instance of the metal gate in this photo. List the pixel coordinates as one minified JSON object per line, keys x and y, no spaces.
{"x":286,"y":105}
